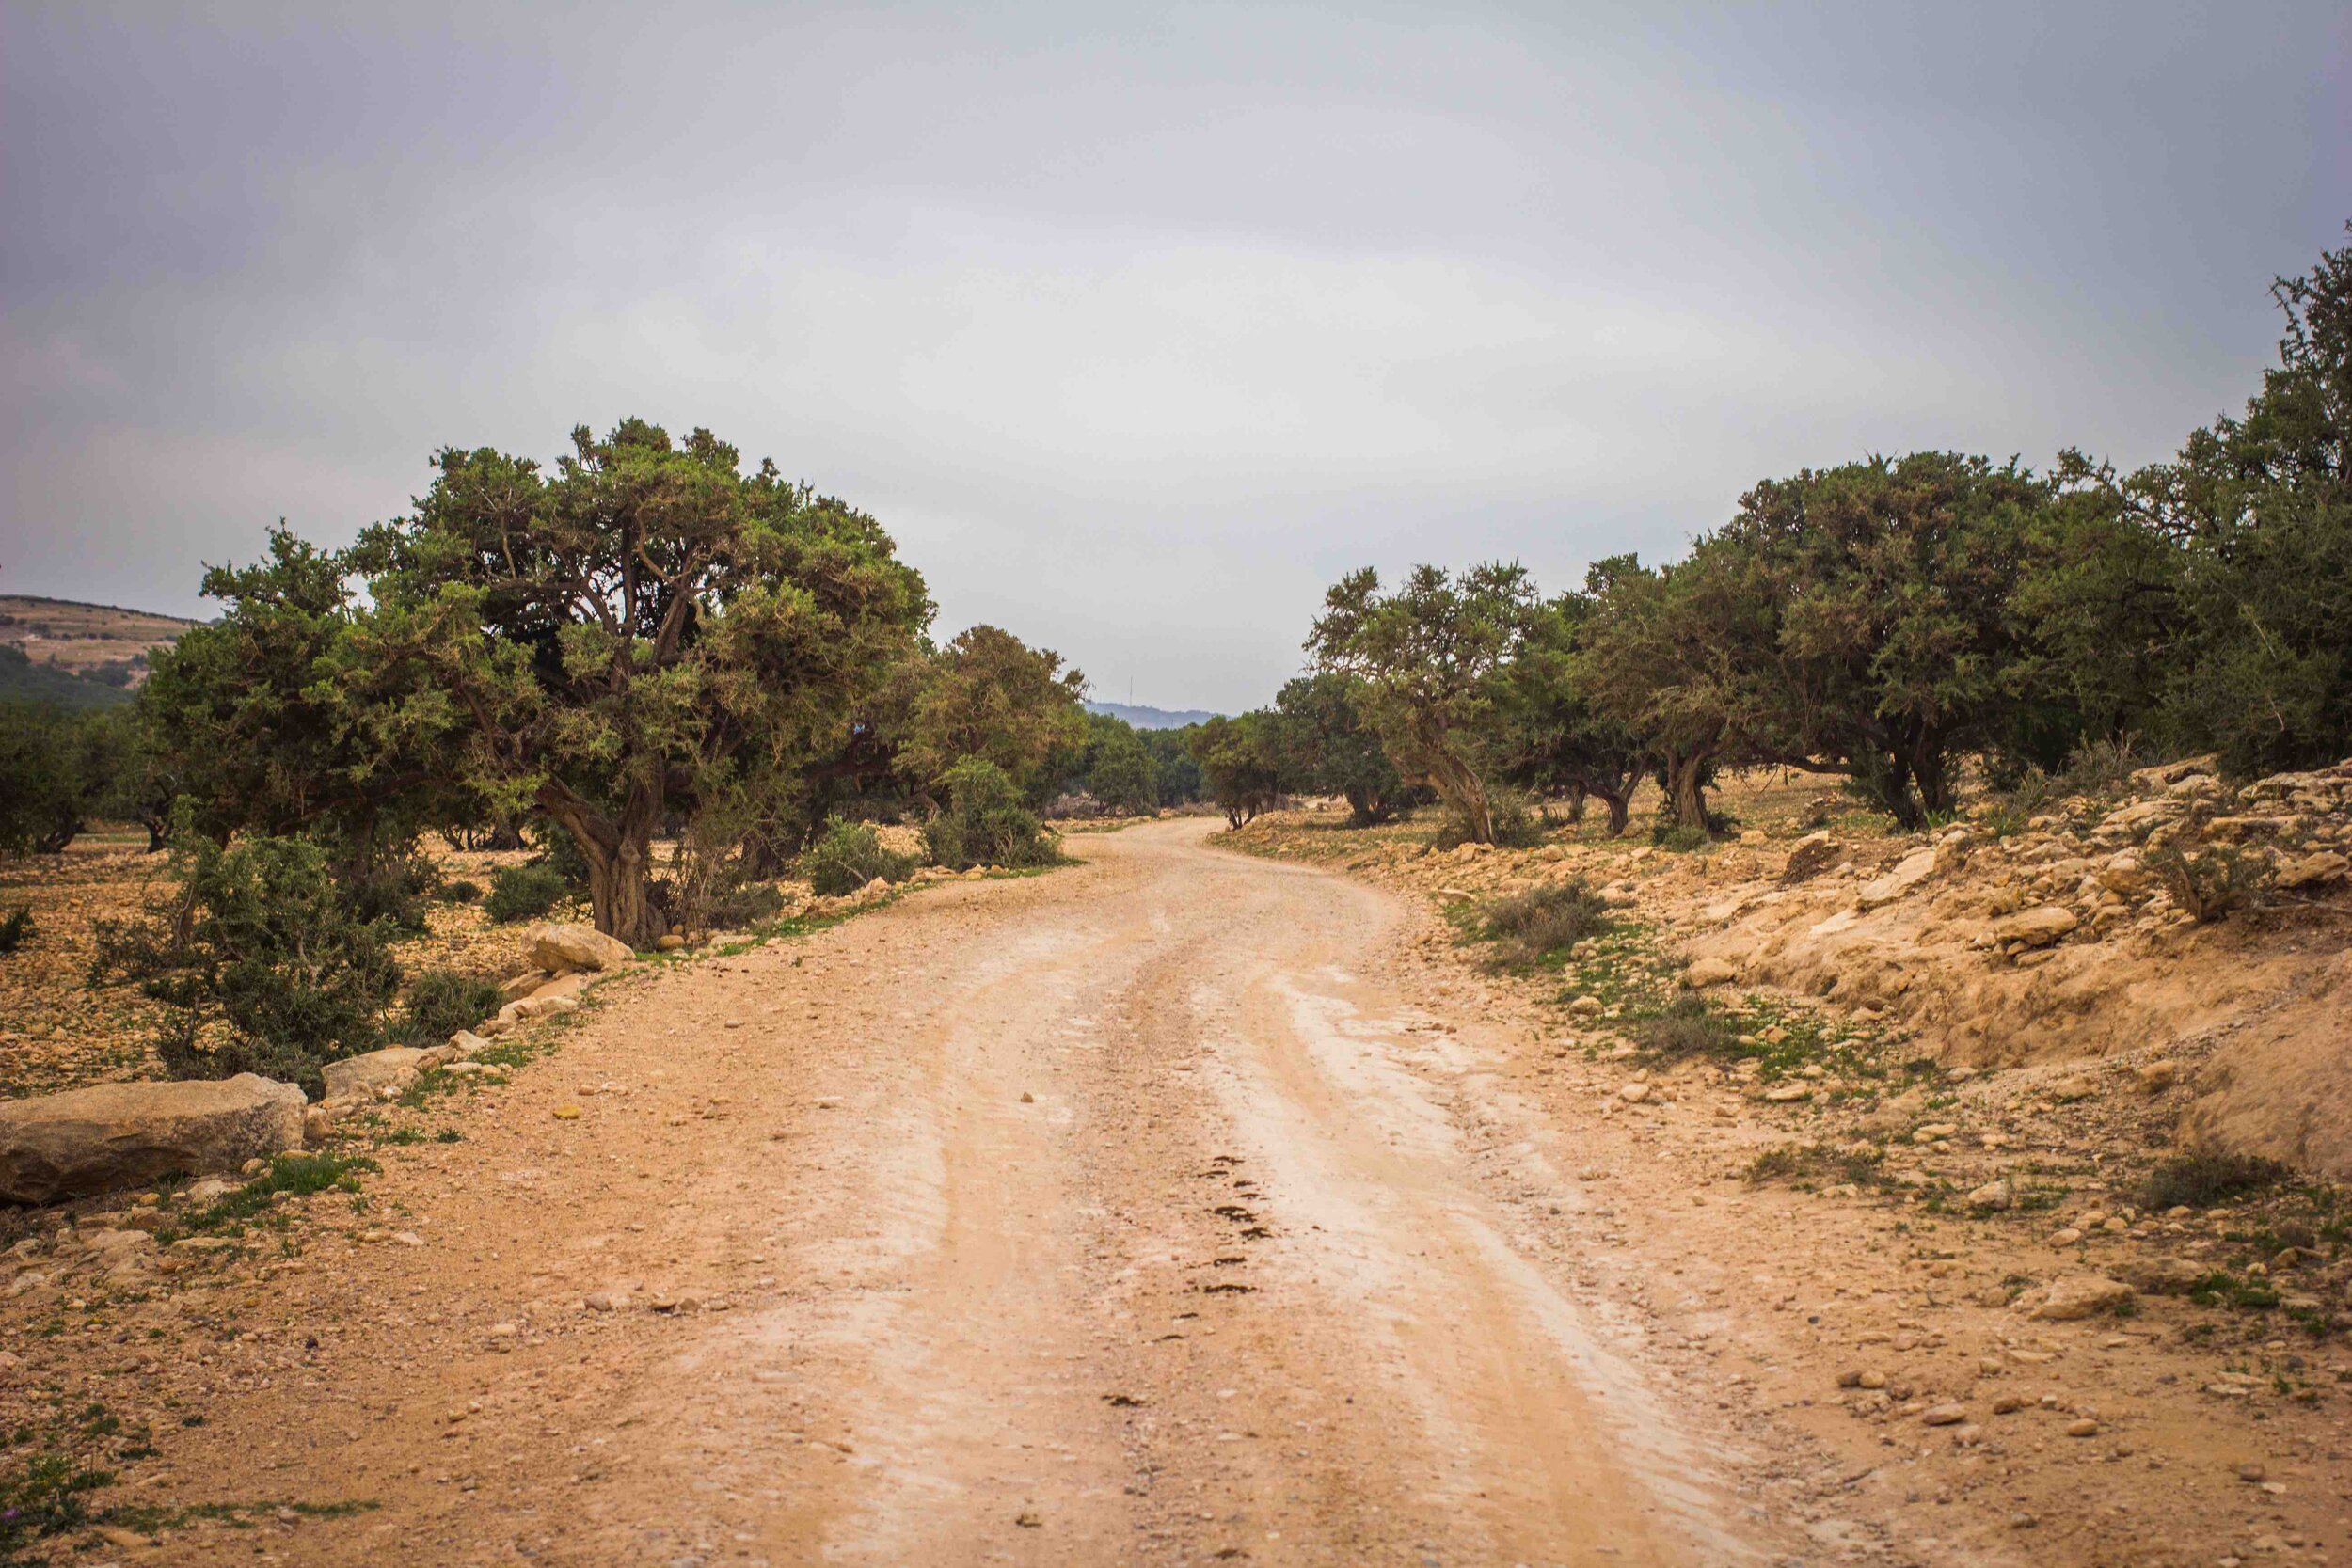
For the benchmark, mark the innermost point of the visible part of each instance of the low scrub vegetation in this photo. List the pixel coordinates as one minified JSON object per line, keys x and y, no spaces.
{"x":521,"y":893}
{"x":1543,"y":922}
{"x":441,"y":1002}
{"x":985,"y":823}
{"x":2202,"y":1178}
{"x":849,"y":855}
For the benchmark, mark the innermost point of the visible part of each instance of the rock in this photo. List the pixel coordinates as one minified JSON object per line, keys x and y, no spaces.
{"x":1784,"y":1094}
{"x":566,"y":1113}
{"x":1908,"y":872}
{"x":1633,"y":1094}
{"x":2252,"y":1474}
{"x":318,"y":1122}
{"x":2156,"y":1077}
{"x":556,"y":949}
{"x":468,"y":1044}
{"x":2075,"y":1296}
{"x":2166,"y":1277}
{"x":605,"y":1301}
{"x":1703,"y":973}
{"x":2079,"y":1087}
{"x":116,"y":1135}
{"x":363,"y":1074}
{"x":1944,"y":1415}
{"x":669,"y":944}
{"x":522,"y":985}
{"x":541,"y":1005}
{"x":1992,"y":1194}
{"x":875,"y":888}
{"x":2313,"y":870}
{"x":2009,"y":1404}
{"x":1585,"y":1006}
{"x":2123,"y":872}
{"x":2086,"y":1427}
{"x":2035,"y":927}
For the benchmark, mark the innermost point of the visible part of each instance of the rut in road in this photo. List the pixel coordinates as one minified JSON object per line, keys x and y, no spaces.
{"x":1116,"y":1216}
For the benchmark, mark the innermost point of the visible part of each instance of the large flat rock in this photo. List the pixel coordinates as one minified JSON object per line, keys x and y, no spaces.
{"x":115,"y":1135}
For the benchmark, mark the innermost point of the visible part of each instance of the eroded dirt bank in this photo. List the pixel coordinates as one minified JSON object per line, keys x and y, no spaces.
{"x":1178,"y":1207}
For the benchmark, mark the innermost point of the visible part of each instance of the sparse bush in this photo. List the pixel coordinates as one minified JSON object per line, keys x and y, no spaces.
{"x":461,"y":891}
{"x":2213,"y":882}
{"x":16,"y":927}
{"x":2202,"y":1178}
{"x":2102,"y":764}
{"x":1678,"y":839}
{"x":1687,"y":1027}
{"x":1545,"y":921}
{"x":260,"y":965}
{"x":1801,"y":1162}
{"x":440,"y":1003}
{"x":985,"y":823}
{"x":743,"y":904}
{"x":524,"y":893}
{"x":849,"y":855}
{"x":385,"y":883}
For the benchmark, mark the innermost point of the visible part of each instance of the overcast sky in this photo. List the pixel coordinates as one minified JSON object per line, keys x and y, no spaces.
{"x":1135,"y":331}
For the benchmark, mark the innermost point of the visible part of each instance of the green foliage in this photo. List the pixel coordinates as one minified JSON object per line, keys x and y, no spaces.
{"x":15,"y":927}
{"x":1424,"y":662}
{"x":260,"y":965}
{"x":849,"y":855}
{"x":461,"y":890}
{"x":989,"y":695}
{"x":2204,"y":1178}
{"x":1327,"y":747}
{"x":1241,"y":764}
{"x":441,"y":1002}
{"x":1177,"y":771}
{"x":41,"y":780}
{"x":1122,"y":774}
{"x":1549,"y":735}
{"x":47,"y":685}
{"x":42,"y":1494}
{"x":1678,"y":838}
{"x":740,"y":903}
{"x":524,"y":893}
{"x":288,"y":1175}
{"x":619,"y":640}
{"x":2213,"y":882}
{"x":985,"y":822}
{"x":1511,"y":824}
{"x":1546,"y":921}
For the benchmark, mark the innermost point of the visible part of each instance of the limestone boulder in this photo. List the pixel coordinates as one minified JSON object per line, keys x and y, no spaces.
{"x":557,"y":948}
{"x":2073,"y":1297}
{"x":1908,"y":872}
{"x":1706,"y":973}
{"x":116,"y":1135}
{"x":2036,"y":928}
{"x":375,"y":1069}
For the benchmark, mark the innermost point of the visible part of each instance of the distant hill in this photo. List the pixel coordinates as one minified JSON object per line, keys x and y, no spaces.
{"x":1152,"y":717}
{"x":76,"y":655}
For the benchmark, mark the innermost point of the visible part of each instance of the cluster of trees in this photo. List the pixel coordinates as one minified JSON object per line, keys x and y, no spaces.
{"x":1885,"y":618}
{"x":643,"y":641}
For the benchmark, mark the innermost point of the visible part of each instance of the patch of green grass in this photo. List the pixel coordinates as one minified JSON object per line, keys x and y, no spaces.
{"x":293,"y":1175}
{"x":2223,"y":1289}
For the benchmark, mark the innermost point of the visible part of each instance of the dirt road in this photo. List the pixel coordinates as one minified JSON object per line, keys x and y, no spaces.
{"x":1118,"y":1215}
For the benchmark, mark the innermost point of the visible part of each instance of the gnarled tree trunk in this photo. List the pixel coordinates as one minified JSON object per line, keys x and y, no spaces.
{"x":619,"y":854}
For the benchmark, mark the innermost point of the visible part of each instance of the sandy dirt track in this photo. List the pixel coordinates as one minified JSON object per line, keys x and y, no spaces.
{"x":1118,"y":1216}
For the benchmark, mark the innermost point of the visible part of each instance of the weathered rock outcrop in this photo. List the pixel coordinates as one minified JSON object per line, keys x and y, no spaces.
{"x":116,"y":1135}
{"x":371,"y":1071}
{"x":557,"y":948}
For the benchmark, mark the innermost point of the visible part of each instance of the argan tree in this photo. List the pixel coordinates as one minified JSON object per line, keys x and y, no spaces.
{"x":641,"y":627}
{"x":988,"y":694}
{"x":1423,"y":660}
{"x":1330,"y":748}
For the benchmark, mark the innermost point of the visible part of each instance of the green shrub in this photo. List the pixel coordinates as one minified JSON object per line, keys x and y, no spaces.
{"x":524,"y":893}
{"x":849,"y":855}
{"x":16,"y":927}
{"x":2203,"y":1178}
{"x":1687,"y":1027}
{"x":461,"y":891}
{"x":260,"y":965}
{"x":1681,"y":840}
{"x":1515,"y":826}
{"x":391,"y":884}
{"x":985,"y":823}
{"x":2212,"y":884}
{"x":744,"y":903}
{"x":1545,"y":921}
{"x":440,"y":1003}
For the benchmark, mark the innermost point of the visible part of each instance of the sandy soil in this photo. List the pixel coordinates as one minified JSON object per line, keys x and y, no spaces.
{"x":1173,"y":1208}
